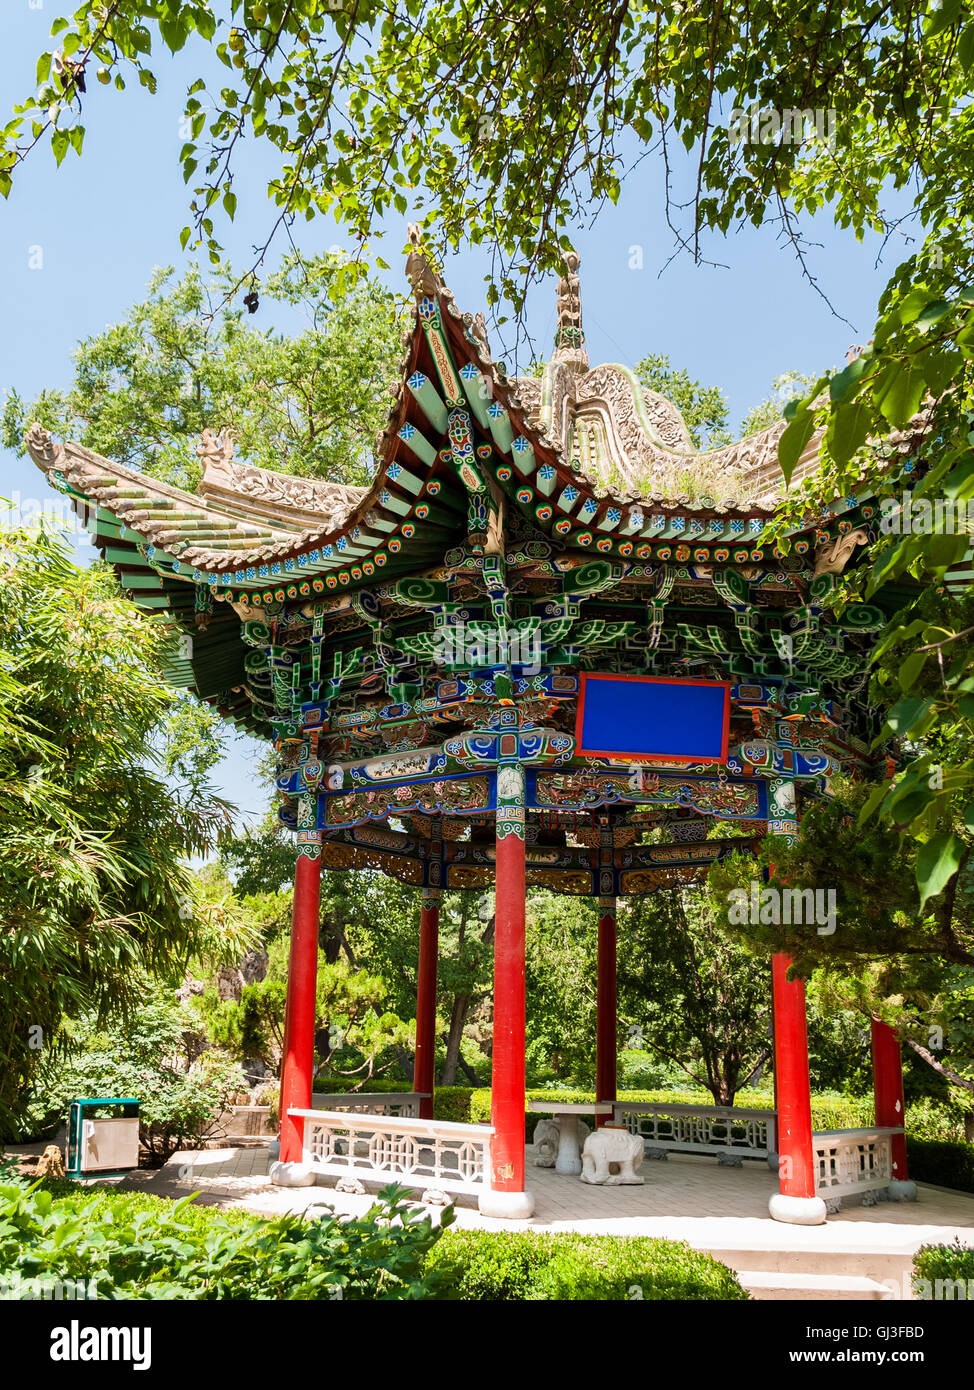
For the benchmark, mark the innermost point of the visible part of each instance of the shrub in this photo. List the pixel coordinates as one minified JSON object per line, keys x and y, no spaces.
{"x":946,"y":1263}
{"x":529,"y":1266}
{"x":144,"y":1057}
{"x":931,"y":1119}
{"x":119,"y":1247}
{"x":944,"y":1165}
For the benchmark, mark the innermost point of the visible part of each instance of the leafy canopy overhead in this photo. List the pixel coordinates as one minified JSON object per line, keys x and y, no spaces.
{"x":511,"y":123}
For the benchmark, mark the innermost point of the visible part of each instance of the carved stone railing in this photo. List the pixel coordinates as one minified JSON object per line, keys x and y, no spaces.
{"x":848,"y":1161}
{"x":433,"y":1156}
{"x":402,"y":1103}
{"x":729,"y":1133}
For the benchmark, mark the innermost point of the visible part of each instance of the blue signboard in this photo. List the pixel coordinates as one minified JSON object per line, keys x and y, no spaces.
{"x":663,"y":719}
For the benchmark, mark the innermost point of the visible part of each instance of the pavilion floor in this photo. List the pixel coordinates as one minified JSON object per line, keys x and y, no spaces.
{"x":723,"y":1210}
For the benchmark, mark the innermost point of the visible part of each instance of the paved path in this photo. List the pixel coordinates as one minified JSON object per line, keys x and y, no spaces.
{"x":686,"y":1198}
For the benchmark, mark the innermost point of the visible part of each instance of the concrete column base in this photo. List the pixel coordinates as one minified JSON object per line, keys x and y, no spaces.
{"x":902,"y":1190}
{"x":797,"y":1211}
{"x":508,"y":1206}
{"x":773,"y":1163}
{"x":291,"y":1175}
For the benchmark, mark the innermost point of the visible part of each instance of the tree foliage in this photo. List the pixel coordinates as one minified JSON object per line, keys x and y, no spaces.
{"x":94,"y":841}
{"x":697,"y":1000}
{"x":510,"y":124}
{"x":186,"y":359}
{"x":704,"y":408}
{"x":893,"y":954}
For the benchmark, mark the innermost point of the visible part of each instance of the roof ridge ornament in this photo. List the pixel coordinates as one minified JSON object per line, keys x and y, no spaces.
{"x":216,"y":450}
{"x":419,"y":271}
{"x":42,"y":447}
{"x":569,"y":335}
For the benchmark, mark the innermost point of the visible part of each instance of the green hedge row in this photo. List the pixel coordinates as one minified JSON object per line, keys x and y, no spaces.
{"x":530,"y":1266}
{"x":940,"y":1163}
{"x":471,"y":1105}
{"x":125,"y":1246}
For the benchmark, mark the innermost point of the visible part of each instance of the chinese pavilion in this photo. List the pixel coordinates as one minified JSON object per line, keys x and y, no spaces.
{"x":418,"y":652}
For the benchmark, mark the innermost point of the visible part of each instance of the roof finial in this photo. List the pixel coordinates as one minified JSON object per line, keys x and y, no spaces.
{"x":423,"y":278}
{"x":569,"y":337}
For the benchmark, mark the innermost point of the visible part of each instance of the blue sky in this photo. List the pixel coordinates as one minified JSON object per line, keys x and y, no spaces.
{"x":102,"y":223}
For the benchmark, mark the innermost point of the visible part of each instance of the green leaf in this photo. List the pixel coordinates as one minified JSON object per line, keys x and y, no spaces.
{"x":965,"y":47}
{"x":792,"y":443}
{"x":941,"y":367}
{"x":910,"y":669}
{"x":899,"y":391}
{"x":174,"y":32}
{"x":943,"y":549}
{"x":932,"y":314}
{"x":904,"y":809}
{"x":909,"y":716}
{"x":913,"y":303}
{"x":959,"y":483}
{"x":941,"y":16}
{"x":937,"y":862}
{"x":847,"y":430}
{"x":842,"y":384}
{"x":874,"y":799}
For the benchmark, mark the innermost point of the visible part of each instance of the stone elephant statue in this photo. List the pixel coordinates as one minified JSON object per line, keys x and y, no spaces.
{"x":547,"y":1136}
{"x":608,"y":1148}
{"x":545,"y":1143}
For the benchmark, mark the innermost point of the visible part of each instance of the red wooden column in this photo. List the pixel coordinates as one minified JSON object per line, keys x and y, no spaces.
{"x":889,"y":1104}
{"x":795,"y":1200}
{"x":424,"y":1072}
{"x":606,"y":1029}
{"x":508,"y":1197}
{"x":302,"y":974}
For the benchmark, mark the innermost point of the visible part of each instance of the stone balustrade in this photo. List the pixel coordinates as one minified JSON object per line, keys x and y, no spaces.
{"x":432,"y":1156}
{"x":850,"y":1161}
{"x":725,"y":1131}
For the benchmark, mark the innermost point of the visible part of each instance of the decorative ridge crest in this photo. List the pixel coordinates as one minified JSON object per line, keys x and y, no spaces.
{"x":569,"y":335}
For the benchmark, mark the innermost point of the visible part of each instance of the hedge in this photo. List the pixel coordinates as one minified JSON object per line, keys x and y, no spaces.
{"x":950,"y":1266}
{"x":495,"y":1266}
{"x":471,"y":1105}
{"x":133,"y":1245}
{"x":940,"y":1163}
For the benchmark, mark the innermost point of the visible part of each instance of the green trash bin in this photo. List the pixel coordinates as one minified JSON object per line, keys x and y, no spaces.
{"x":103,"y":1146}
